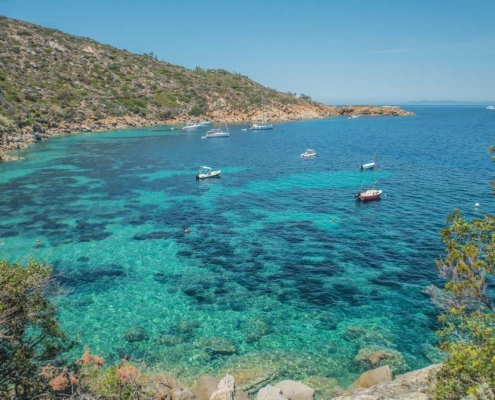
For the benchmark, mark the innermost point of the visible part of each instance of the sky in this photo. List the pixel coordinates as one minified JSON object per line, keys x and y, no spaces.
{"x":337,"y":52}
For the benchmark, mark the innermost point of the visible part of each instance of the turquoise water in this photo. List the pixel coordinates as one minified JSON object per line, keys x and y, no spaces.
{"x":283,"y":273}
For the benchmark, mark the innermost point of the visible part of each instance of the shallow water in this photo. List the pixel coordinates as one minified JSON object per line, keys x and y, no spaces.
{"x":280,"y":260}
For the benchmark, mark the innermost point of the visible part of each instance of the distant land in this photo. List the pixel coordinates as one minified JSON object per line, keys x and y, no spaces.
{"x":448,"y":103}
{"x":54,"y":83}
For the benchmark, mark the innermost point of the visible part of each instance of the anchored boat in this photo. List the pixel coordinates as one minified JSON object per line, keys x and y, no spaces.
{"x":370,"y":165}
{"x":263,"y":126}
{"x":206,"y":172}
{"x":308,"y":153}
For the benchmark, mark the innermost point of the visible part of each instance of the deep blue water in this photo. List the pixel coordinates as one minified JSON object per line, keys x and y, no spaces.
{"x":280,"y":261}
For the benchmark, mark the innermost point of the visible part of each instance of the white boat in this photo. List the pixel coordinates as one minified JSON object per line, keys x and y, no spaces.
{"x":490,"y":108}
{"x":217,"y":132}
{"x":263,"y":126}
{"x":205,"y":123}
{"x":191,"y":127}
{"x":353,"y":116}
{"x":373,"y":193}
{"x":308,"y":153}
{"x":370,"y":165}
{"x":206,"y":172}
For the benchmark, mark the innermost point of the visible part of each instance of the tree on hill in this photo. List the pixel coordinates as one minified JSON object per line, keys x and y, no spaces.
{"x":468,"y":300}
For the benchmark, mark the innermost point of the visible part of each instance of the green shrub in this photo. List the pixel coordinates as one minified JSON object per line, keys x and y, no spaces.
{"x":469,"y":341}
{"x":29,"y":333}
{"x":195,"y":111}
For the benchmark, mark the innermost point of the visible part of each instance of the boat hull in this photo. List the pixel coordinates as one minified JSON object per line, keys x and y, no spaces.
{"x":212,"y":174}
{"x":217,"y":135}
{"x":368,"y":166}
{"x":369,"y":195}
{"x":261,"y":127}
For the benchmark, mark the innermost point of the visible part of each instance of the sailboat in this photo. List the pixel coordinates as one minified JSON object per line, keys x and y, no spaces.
{"x":217,"y":132}
{"x":373,"y":193}
{"x":263,"y":126}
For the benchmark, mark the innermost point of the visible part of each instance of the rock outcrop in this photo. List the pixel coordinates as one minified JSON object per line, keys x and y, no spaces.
{"x":411,"y":386}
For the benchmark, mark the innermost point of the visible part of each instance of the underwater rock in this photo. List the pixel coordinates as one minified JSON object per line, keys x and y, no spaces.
{"x":136,"y":334}
{"x":296,"y":390}
{"x":372,"y":357}
{"x":374,"y":376}
{"x":321,"y":384}
{"x":206,"y":386}
{"x":152,"y":235}
{"x":256,"y":329}
{"x":185,"y":328}
{"x":200,"y":355}
{"x":216,"y":345}
{"x":270,"y":393}
{"x":170,"y":340}
{"x":83,"y":259}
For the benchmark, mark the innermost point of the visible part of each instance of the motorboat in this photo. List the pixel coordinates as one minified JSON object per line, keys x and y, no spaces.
{"x":373,"y":193}
{"x":191,"y":127}
{"x":308,"y":153}
{"x":205,"y":123}
{"x":370,"y":165}
{"x":353,"y":116}
{"x":260,"y":127}
{"x":263,"y":126}
{"x":206,"y":172}
{"x":490,"y":108}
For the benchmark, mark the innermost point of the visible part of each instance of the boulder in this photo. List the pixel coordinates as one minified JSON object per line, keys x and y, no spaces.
{"x":411,"y":386}
{"x":222,"y":394}
{"x":374,"y":376}
{"x":183,"y":393}
{"x":161,"y":386}
{"x":227,"y":382}
{"x":373,"y":357}
{"x":226,"y":389}
{"x":270,"y":393}
{"x":207,"y":384}
{"x":295,"y":390}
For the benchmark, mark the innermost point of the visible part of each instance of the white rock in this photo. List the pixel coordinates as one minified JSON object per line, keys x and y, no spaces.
{"x":296,"y":390}
{"x":270,"y":393}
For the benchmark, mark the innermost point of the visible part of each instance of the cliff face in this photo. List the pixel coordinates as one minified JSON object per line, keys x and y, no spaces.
{"x":52,"y":83}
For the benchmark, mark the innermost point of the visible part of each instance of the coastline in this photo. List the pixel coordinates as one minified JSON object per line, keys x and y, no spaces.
{"x":20,"y":138}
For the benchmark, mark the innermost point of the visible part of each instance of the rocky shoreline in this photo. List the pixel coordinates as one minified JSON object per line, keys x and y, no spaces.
{"x":375,"y":384}
{"x":20,"y":137}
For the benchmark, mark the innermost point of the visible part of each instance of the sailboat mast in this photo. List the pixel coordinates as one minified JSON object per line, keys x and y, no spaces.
{"x":375,"y":168}
{"x":263,"y":107}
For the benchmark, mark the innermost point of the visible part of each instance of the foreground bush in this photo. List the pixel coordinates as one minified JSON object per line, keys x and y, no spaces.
{"x":30,"y":335}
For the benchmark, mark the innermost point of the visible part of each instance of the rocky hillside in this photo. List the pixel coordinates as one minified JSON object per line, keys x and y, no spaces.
{"x":52,"y":82}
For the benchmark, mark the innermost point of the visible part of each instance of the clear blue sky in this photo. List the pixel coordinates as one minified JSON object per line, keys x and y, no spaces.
{"x":345,"y":51}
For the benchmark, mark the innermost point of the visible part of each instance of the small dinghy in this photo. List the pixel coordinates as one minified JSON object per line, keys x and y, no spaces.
{"x":206,"y":172}
{"x":370,"y":165}
{"x":308,"y":153}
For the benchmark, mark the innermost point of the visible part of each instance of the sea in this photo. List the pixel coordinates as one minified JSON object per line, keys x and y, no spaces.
{"x":272,"y":271}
